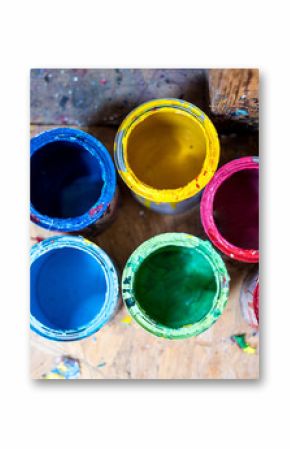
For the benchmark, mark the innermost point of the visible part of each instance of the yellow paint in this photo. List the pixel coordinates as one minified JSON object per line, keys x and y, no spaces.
{"x":147,"y":203}
{"x":249,"y":350}
{"x":53,"y":376}
{"x":61,"y":367}
{"x":127,"y":319}
{"x":166,"y":148}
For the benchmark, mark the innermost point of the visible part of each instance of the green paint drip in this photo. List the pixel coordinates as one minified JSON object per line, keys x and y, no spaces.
{"x":175,"y":286}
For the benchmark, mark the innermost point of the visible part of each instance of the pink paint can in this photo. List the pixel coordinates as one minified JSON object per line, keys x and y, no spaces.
{"x":230,"y":209}
{"x":249,"y":299}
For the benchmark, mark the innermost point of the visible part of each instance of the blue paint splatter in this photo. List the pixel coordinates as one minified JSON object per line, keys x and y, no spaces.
{"x":240,"y":113}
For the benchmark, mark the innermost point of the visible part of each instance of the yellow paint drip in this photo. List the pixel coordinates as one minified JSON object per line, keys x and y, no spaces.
{"x":250,"y":350}
{"x":170,"y":150}
{"x":147,"y":203}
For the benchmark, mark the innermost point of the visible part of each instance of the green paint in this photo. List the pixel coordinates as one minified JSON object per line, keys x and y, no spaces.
{"x":175,"y":286}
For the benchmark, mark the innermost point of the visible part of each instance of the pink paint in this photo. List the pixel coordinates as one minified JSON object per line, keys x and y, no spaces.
{"x":230,"y":209}
{"x":37,"y":239}
{"x":34,"y":218}
{"x":96,"y":209}
{"x":256,"y":301}
{"x":249,"y":298}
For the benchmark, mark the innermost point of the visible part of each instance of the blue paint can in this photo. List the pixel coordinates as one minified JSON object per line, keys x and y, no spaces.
{"x":72,"y":180}
{"x":73,"y":288}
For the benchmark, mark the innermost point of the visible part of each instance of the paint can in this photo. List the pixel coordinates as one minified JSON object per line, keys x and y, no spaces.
{"x":73,"y":288}
{"x":249,"y":298}
{"x":230,"y":209}
{"x":72,"y":180}
{"x":166,"y":151}
{"x":175,"y":285}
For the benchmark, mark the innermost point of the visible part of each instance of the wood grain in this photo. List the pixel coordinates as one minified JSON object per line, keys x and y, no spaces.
{"x":234,"y":94}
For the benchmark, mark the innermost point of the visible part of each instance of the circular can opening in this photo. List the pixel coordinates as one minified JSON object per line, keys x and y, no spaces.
{"x":230,"y":209}
{"x":166,"y":150}
{"x":175,"y":285}
{"x":72,"y":179}
{"x":72,"y":294}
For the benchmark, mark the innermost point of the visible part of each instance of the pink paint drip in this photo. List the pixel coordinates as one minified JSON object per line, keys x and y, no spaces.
{"x":96,"y":209}
{"x":256,"y":301}
{"x":249,"y":298}
{"x":37,"y":239}
{"x":34,"y":218}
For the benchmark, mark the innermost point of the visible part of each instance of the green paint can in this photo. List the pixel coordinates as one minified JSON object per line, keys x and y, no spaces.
{"x":175,"y":285}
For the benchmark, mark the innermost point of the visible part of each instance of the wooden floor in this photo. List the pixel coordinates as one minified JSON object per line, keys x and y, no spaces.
{"x":122,"y":349}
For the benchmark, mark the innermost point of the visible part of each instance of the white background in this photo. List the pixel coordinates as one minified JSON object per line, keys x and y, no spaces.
{"x":87,"y":34}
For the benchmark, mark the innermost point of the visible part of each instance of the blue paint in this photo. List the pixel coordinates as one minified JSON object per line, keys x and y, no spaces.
{"x":241,"y":112}
{"x":68,"y":288}
{"x":74,"y":288}
{"x":73,"y":179}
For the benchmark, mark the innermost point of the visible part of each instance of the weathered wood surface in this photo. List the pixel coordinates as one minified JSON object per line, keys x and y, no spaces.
{"x":126,"y":351}
{"x":234,"y":94}
{"x":106,"y":96}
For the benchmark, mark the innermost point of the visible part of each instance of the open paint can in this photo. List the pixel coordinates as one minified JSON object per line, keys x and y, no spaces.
{"x":175,"y":285}
{"x":73,"y":181}
{"x":73,"y":288}
{"x":249,"y":298}
{"x":166,"y":151}
{"x":230,"y":209}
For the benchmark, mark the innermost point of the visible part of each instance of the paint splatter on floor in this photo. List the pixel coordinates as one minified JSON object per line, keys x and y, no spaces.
{"x":66,"y":368}
{"x":37,"y":239}
{"x":240,"y":340}
{"x":101,"y":365}
{"x":127,"y":320}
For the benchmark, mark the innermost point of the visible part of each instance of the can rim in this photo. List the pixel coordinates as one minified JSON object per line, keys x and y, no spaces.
{"x":112,"y":293}
{"x":96,"y":149}
{"x":206,"y":209}
{"x":167,"y":195}
{"x":178,"y":239}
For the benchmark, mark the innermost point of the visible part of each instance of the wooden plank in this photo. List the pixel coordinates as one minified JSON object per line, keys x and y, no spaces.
{"x":234,"y":95}
{"x":123,"y":350}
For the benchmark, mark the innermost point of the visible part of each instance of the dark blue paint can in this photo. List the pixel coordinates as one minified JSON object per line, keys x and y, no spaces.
{"x":72,"y":180}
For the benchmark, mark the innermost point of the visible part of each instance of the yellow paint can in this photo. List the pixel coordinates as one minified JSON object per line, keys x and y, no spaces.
{"x":166,"y":151}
